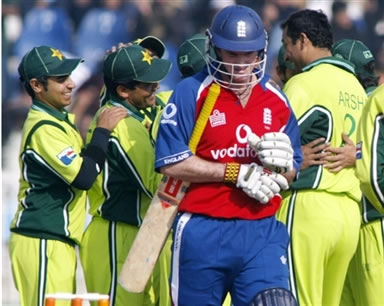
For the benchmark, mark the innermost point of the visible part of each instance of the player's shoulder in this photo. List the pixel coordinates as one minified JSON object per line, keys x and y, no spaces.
{"x":376,"y":98}
{"x":163,"y":96}
{"x":301,"y":84}
{"x":50,"y":134}
{"x":132,"y":122}
{"x":378,"y":92}
{"x":193,"y":82}
{"x":43,"y":122}
{"x":129,"y":133}
{"x":190,"y":89}
{"x":274,"y":84}
{"x":271,"y":88}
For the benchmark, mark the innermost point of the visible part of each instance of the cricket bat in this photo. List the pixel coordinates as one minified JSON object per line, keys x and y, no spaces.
{"x":157,"y":223}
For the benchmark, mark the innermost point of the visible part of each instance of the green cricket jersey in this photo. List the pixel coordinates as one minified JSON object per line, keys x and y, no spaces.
{"x":370,"y":156}
{"x":327,"y":112}
{"x":124,"y":189}
{"x":49,"y":207}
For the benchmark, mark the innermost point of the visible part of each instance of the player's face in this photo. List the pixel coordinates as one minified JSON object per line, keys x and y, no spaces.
{"x":292,"y":50}
{"x":143,"y":95}
{"x":239,"y":65}
{"x":58,"y":93}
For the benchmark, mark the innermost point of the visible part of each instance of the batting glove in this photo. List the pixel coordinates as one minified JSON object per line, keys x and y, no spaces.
{"x":274,"y":151}
{"x":260,"y":183}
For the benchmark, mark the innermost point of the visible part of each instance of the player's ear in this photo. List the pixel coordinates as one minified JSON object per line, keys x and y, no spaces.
{"x":122,"y":91}
{"x":303,"y":40}
{"x":36,"y":86}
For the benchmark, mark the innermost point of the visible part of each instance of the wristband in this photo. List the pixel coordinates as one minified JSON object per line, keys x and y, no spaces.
{"x":231,"y":172}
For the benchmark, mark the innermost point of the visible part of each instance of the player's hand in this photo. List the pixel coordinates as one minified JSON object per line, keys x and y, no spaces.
{"x":341,"y":157}
{"x":274,"y":150}
{"x":314,"y":153}
{"x":115,"y":48}
{"x":260,"y":183}
{"x":110,"y":117}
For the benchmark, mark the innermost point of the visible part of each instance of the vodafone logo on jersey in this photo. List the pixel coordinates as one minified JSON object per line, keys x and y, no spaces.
{"x":168,"y":112}
{"x":242,"y":132}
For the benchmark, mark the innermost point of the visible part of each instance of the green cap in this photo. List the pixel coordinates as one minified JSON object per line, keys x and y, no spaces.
{"x":46,"y":61}
{"x":191,"y":55}
{"x":152,"y":43}
{"x":356,"y":52}
{"x":282,"y":62}
{"x":134,"y":63}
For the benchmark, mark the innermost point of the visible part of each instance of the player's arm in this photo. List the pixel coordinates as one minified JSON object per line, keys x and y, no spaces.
{"x":370,"y":140}
{"x":96,"y":151}
{"x":293,"y":132}
{"x":195,"y":170}
{"x":173,"y":148}
{"x":314,"y":153}
{"x":290,"y":175}
{"x":255,"y":180}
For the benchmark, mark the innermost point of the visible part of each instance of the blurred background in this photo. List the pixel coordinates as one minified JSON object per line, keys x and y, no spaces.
{"x":87,"y":28}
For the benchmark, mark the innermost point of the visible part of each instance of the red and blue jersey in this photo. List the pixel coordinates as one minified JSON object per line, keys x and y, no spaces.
{"x":224,"y":140}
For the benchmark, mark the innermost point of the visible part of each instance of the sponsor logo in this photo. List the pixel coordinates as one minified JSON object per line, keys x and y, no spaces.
{"x":176,"y":159}
{"x":234,"y":151}
{"x":169,"y":111}
{"x":179,"y":231}
{"x":173,"y":186}
{"x":359,"y":153}
{"x":241,"y":133}
{"x":283,"y":260}
{"x":167,"y":121}
{"x":367,"y":54}
{"x":67,"y":156}
{"x":183,"y":59}
{"x":217,"y":118}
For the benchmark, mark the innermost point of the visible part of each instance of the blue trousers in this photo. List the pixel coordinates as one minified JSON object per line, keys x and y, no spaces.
{"x":211,"y":257}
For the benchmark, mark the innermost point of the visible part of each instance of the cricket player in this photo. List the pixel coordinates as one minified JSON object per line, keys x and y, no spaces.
{"x":321,"y":210}
{"x":366,"y":270}
{"x":190,"y":60}
{"x":284,"y":69}
{"x":122,"y":193}
{"x":157,"y":49}
{"x":55,"y":172}
{"x":191,"y":55}
{"x":226,"y":238}
{"x":359,"y":55}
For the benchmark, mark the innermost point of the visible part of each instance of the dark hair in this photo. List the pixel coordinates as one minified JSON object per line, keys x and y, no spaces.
{"x":312,"y":23}
{"x":112,"y":85}
{"x":338,"y":6}
{"x":368,"y":80}
{"x":43,"y":80}
{"x":187,"y":71}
